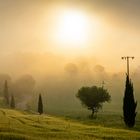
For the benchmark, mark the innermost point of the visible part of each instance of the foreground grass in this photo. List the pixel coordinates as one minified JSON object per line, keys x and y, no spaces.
{"x":15,"y":125}
{"x":114,"y":120}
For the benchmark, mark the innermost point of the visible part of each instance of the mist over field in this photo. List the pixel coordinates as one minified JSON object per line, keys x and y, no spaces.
{"x":43,"y":51}
{"x":59,"y":82}
{"x":69,"y":69}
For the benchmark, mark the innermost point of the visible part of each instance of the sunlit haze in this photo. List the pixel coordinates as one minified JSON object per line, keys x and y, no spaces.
{"x":73,"y":28}
{"x":38,"y":37}
{"x":55,"y":47}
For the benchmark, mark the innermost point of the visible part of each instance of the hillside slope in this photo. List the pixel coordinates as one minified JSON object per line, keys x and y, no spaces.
{"x":16,"y":125}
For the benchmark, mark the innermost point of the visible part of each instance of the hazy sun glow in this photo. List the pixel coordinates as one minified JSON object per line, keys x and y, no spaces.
{"x":72,"y":29}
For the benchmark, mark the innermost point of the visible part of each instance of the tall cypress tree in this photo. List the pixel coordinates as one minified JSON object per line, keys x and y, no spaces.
{"x":40,"y":105}
{"x":6,"y":92}
{"x":129,"y":104}
{"x":12,"y":103}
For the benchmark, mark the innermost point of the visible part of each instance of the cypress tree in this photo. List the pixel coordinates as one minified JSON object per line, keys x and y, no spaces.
{"x":12,"y":104}
{"x":40,"y":105}
{"x":6,"y":92}
{"x":129,"y":104}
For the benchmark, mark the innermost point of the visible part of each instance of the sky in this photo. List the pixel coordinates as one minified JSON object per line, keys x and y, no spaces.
{"x":48,"y":36}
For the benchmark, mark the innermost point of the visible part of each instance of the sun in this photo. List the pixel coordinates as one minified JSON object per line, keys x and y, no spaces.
{"x":72,"y":28}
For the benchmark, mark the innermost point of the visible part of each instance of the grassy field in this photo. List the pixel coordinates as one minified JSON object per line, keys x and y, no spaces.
{"x":16,"y":125}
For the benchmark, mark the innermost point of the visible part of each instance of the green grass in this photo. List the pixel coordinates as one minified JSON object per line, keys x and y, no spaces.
{"x":16,"y":125}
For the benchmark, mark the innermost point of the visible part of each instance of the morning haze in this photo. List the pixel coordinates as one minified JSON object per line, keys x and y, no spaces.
{"x":55,"y":47}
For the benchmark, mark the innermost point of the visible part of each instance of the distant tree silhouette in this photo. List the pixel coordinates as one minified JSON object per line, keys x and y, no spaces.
{"x":6,"y":92}
{"x":12,"y":103}
{"x":93,"y":97}
{"x":40,"y":105}
{"x":129,"y":104}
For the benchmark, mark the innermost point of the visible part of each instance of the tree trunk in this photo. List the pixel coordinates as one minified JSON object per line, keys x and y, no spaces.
{"x":92,"y":114}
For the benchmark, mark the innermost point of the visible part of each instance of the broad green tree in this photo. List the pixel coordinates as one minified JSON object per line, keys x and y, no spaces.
{"x":93,"y":97}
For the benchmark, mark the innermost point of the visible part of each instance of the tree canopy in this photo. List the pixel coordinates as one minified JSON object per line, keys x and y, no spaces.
{"x":129,"y":104}
{"x":12,"y":104}
{"x":6,"y":93}
{"x":93,"y":97}
{"x":40,"y":105}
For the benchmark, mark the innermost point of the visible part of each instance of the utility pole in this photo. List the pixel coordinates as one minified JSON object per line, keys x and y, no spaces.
{"x":127,"y":59}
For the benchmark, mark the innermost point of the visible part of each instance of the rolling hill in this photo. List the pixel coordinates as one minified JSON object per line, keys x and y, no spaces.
{"x":17,"y":125}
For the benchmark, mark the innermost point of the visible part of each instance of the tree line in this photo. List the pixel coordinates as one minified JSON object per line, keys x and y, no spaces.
{"x":92,"y":98}
{"x":9,"y":100}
